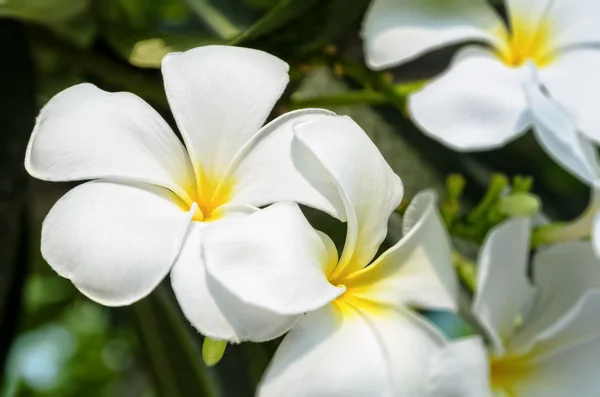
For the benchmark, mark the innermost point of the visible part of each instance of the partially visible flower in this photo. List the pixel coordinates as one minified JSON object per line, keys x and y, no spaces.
{"x":479,"y":103}
{"x":368,"y":340}
{"x":558,"y":134}
{"x":118,"y":236}
{"x":544,"y":341}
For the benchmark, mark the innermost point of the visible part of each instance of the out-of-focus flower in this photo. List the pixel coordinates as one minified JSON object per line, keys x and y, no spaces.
{"x":479,"y":103}
{"x":543,"y":340}
{"x":117,"y":236}
{"x":367,"y":340}
{"x":558,"y":134}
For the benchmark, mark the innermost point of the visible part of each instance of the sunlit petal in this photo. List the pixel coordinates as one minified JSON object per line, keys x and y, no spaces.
{"x":396,"y":31}
{"x":220,"y":96}
{"x":114,"y":241}
{"x":211,"y":308}
{"x":87,"y":133}
{"x":369,"y":189}
{"x":478,"y":103}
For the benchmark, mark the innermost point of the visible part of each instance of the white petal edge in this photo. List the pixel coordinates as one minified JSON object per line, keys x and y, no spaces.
{"x":220,"y":96}
{"x":328,"y":354}
{"x":114,"y":241}
{"x":397,"y":31}
{"x":418,"y":270}
{"x":572,"y":80}
{"x":477,"y":104}
{"x":503,"y":261}
{"x":558,"y":135}
{"x":557,"y":294}
{"x":264,"y":171}
{"x":272,"y":259}
{"x":211,"y":308}
{"x":87,"y":133}
{"x":369,"y":189}
{"x":461,"y":369}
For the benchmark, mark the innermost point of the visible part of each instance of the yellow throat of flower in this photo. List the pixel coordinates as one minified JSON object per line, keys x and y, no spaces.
{"x":526,"y":41}
{"x":507,"y":371}
{"x":208,"y":193}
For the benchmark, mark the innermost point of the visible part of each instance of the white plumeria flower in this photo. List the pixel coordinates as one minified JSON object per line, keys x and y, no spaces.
{"x":558,"y":134}
{"x":479,"y":103}
{"x":367,"y":341}
{"x":544,"y":341}
{"x":117,"y":236}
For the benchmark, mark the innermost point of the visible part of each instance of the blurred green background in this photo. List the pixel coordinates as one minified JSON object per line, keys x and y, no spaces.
{"x":54,"y":341}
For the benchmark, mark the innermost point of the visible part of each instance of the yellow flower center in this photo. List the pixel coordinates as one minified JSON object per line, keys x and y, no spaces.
{"x":526,"y":41}
{"x":210,"y":194}
{"x":507,"y":371}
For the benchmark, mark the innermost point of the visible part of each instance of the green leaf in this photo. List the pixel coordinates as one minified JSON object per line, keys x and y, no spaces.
{"x":69,"y":18}
{"x":172,"y":353}
{"x":278,"y":16}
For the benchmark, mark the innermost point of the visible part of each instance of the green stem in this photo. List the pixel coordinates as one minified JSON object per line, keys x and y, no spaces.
{"x":497,"y":185}
{"x":466,"y":270}
{"x":350,"y":98}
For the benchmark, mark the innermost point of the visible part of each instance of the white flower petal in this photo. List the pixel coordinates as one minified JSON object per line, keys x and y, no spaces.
{"x":503,"y":262}
{"x":596,"y":234}
{"x":418,"y":270}
{"x":573,"y":81}
{"x":264,"y":172}
{"x":411,"y":343}
{"x":328,"y":354}
{"x":396,"y":31}
{"x":220,"y":96}
{"x":581,"y":322}
{"x":461,"y":369}
{"x":87,"y":133}
{"x":558,"y":294}
{"x":368,"y":187}
{"x":477,"y":104}
{"x":567,"y":23}
{"x":570,"y":371}
{"x":341,"y":350}
{"x":558,"y":134}
{"x":211,"y":308}
{"x":114,"y":241}
{"x":272,"y":259}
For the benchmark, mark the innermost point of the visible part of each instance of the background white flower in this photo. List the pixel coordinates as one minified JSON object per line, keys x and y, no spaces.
{"x":117,"y":236}
{"x":544,"y":341}
{"x":479,"y":103}
{"x":367,"y":340}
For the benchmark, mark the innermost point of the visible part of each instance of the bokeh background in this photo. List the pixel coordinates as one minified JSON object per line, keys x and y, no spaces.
{"x":54,"y":341}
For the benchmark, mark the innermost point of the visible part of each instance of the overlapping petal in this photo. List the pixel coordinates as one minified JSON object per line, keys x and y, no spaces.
{"x":571,"y":370}
{"x":417,"y":271}
{"x":559,"y":136}
{"x":502,"y":262}
{"x":368,"y":188}
{"x":560,"y":298}
{"x":342,"y":350}
{"x":396,"y":31}
{"x":272,"y":259}
{"x":572,"y":80}
{"x":220,"y":96}
{"x":461,"y":369}
{"x":87,"y":133}
{"x":211,"y":308}
{"x":114,"y":241}
{"x":328,"y":354}
{"x":477,"y":104}
{"x":567,"y":23}
{"x":264,"y":172}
